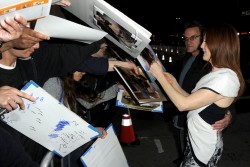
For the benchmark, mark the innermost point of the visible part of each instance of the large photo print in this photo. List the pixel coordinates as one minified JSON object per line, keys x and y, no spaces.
{"x":115,"y":30}
{"x":122,"y":31}
{"x":139,"y":87}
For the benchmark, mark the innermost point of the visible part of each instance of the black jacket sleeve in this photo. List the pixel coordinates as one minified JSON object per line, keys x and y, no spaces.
{"x":95,"y":65}
{"x":59,"y":59}
{"x":198,"y":69}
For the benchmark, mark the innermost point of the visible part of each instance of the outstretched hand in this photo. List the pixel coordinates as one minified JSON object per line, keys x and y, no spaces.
{"x":28,"y":39}
{"x":120,"y":86}
{"x":125,"y":64}
{"x":133,"y":67}
{"x":11,"y":97}
{"x":223,"y":123}
{"x":102,"y":130}
{"x":156,"y":69}
{"x":12,"y":29}
{"x":64,"y":3}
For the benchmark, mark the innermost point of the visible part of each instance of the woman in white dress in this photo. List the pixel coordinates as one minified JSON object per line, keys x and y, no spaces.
{"x":210,"y":99}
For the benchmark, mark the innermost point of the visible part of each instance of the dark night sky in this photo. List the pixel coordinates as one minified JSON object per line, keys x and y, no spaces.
{"x":158,"y":16}
{"x":209,"y":11}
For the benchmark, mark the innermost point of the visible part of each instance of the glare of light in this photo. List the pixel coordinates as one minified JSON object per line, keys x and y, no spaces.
{"x":163,"y":58}
{"x":170,"y":59}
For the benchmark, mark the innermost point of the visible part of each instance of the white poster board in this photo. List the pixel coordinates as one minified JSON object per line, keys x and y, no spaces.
{"x":50,"y":123}
{"x":105,"y":152}
{"x":57,"y":27}
{"x":29,"y":9}
{"x":123,"y":31}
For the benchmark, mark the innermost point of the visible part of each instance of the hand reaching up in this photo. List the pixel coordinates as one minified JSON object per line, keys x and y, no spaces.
{"x":28,"y":39}
{"x":156,"y":70}
{"x":12,"y":29}
{"x":64,"y":3}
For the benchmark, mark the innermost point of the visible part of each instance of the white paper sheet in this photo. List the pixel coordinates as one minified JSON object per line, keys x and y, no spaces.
{"x":49,"y":123}
{"x":105,"y":152}
{"x":61,"y":28}
{"x":29,"y":12}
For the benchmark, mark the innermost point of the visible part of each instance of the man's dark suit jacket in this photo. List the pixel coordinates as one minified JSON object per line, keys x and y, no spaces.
{"x":198,"y":69}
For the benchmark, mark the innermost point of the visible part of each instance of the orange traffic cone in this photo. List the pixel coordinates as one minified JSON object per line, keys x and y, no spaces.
{"x":127,"y":134}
